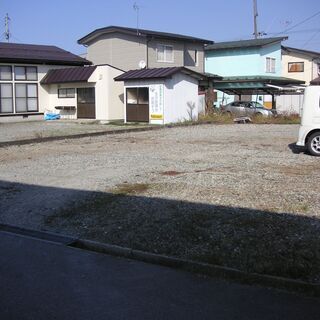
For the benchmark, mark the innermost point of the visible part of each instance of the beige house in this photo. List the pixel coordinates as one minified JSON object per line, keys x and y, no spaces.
{"x":128,"y":48}
{"x":300,"y":64}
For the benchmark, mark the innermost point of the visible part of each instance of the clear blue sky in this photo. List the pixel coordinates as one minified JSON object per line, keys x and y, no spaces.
{"x":63,"y":22}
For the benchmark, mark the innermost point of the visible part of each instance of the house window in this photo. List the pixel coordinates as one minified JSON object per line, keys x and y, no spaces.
{"x":295,"y":66}
{"x":5,"y":73}
{"x":6,"y":98}
{"x":164,"y":53}
{"x":26,"y":97}
{"x":270,"y":65}
{"x":66,"y":93}
{"x":196,"y":61}
{"x":25,"y":73}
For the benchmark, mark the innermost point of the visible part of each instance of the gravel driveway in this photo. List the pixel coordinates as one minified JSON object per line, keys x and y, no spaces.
{"x":234,"y":195}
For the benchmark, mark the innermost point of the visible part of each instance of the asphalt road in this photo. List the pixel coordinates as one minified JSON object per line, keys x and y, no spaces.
{"x":46,"y":280}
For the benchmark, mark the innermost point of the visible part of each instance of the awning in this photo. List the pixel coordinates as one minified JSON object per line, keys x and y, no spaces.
{"x":264,"y":85}
{"x":78,"y":74}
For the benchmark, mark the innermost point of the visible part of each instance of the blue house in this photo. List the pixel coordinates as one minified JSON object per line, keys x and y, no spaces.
{"x":245,"y":58}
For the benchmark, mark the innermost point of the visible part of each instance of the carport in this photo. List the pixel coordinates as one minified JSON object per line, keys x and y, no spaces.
{"x":258,"y":85}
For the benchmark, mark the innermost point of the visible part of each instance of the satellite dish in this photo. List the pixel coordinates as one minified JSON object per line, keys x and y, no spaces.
{"x":142,"y":64}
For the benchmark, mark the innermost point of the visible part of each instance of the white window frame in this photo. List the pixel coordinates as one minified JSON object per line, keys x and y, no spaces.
{"x":164,"y":53}
{"x":196,"y":58}
{"x":270,"y":68}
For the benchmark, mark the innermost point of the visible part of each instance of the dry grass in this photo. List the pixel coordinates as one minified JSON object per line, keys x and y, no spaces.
{"x":223,"y":118}
{"x":130,"y":188}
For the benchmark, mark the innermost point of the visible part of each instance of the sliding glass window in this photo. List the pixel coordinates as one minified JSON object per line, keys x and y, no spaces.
{"x":6,"y":98}
{"x":25,"y":73}
{"x":5,"y":73}
{"x":26,"y":97}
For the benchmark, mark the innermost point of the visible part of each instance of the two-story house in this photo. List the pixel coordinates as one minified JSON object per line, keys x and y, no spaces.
{"x":246,"y":58}
{"x":300,"y":64}
{"x":129,"y":49}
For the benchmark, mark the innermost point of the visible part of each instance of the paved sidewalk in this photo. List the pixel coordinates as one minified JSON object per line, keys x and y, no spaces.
{"x":46,"y":280}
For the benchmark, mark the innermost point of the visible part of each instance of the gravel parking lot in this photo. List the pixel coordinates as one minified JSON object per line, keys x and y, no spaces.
{"x":234,"y":195}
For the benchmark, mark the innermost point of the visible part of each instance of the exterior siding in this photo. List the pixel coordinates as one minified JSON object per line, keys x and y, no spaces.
{"x":119,"y":50}
{"x":126,"y":51}
{"x":178,"y":50}
{"x":243,"y":62}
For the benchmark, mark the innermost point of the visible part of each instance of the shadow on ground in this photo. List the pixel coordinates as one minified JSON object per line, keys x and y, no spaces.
{"x":250,"y":240}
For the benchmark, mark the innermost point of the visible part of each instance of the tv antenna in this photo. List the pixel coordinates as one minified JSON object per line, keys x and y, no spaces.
{"x":7,"y":33}
{"x":136,"y":8}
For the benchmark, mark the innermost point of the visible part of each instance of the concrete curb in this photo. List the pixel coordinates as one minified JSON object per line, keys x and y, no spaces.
{"x":215,"y":271}
{"x":47,"y":236}
{"x":225,"y":273}
{"x":75,"y":136}
{"x":99,"y":133}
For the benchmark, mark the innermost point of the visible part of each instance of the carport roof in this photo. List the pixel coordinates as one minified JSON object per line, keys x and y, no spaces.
{"x":315,"y":82}
{"x":257,"y":85}
{"x":161,"y":73}
{"x":78,"y":74}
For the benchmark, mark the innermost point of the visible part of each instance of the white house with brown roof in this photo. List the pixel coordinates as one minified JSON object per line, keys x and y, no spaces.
{"x":85,"y":92}
{"x":22,"y":67}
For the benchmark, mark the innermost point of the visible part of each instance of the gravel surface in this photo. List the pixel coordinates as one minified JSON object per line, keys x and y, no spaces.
{"x":234,"y":195}
{"x":39,"y":129}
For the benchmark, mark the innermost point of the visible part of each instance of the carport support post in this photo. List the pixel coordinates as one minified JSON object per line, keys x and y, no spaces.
{"x":273,"y":102}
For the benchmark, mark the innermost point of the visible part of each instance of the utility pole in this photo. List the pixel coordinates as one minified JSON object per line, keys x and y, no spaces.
{"x":7,"y":33}
{"x":137,"y":8}
{"x":255,"y":16}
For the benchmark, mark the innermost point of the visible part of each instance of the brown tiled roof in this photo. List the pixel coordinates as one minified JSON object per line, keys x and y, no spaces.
{"x":78,"y":74}
{"x":315,"y":82}
{"x":143,"y":33}
{"x":158,"y":73}
{"x":38,"y":54}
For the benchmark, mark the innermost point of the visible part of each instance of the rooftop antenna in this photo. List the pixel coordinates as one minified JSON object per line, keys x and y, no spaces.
{"x":136,"y":8}
{"x":255,"y":17}
{"x":7,"y":33}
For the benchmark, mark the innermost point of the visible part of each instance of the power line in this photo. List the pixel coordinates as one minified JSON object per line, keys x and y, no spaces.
{"x":300,"y":23}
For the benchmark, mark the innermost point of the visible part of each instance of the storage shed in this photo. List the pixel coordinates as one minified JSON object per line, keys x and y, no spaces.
{"x":161,"y":95}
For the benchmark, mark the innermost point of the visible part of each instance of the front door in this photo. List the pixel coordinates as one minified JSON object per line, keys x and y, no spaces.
{"x":86,"y":106}
{"x":137,"y":104}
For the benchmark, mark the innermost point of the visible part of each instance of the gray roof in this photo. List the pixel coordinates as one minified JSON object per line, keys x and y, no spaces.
{"x":244,"y":43}
{"x":312,"y":54}
{"x":38,"y":54}
{"x":79,"y":74}
{"x":141,"y":32}
{"x":158,"y":73}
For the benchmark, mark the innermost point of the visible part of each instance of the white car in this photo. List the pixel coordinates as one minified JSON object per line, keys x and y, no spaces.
{"x":309,"y":132}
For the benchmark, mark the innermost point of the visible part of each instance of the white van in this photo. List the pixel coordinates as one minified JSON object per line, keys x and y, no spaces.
{"x":309,"y":132}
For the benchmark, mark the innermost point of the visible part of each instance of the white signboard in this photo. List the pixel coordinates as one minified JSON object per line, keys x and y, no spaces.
{"x":156,"y":101}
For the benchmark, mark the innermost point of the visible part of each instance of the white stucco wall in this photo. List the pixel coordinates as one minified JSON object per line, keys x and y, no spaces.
{"x":180,"y":90}
{"x":310,"y":67}
{"x":108,"y":95}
